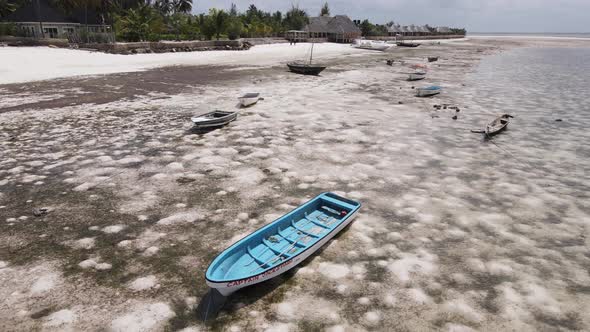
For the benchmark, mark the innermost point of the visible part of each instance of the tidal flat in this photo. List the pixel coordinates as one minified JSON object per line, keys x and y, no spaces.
{"x":112,"y":206}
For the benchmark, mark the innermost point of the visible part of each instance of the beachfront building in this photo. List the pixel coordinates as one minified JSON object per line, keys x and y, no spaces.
{"x":413,"y":30}
{"x":443,"y":30}
{"x":296,"y":35}
{"x":338,"y":29}
{"x":40,"y":19}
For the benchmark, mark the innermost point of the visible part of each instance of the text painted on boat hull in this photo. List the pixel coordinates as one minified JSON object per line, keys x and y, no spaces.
{"x":260,"y":276}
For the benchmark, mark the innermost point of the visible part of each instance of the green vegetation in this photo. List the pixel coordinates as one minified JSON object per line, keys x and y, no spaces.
{"x":147,"y":20}
{"x":325,"y":10}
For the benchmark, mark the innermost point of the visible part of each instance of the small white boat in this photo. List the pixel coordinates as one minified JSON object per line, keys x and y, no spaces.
{"x":249,"y":99}
{"x":415,"y":76}
{"x":428,"y":91}
{"x":214,"y":119}
{"x":374,"y":45}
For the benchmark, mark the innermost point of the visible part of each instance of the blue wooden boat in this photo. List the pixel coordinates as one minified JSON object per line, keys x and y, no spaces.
{"x":282,"y":244}
{"x":428,"y":91}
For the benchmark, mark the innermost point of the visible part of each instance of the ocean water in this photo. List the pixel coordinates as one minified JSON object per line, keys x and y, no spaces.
{"x":529,"y":34}
{"x":538,"y":86}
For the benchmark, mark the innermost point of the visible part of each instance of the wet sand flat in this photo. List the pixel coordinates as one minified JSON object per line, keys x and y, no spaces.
{"x":137,"y":204}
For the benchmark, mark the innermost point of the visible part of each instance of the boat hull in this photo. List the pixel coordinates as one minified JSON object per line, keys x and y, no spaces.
{"x":427,"y":93}
{"x":497,"y":126}
{"x":202,"y":122}
{"x":416,"y":76}
{"x":306,"y":69}
{"x":227,"y":288}
{"x":249,"y":99}
{"x":246,"y":102}
{"x":494,"y":131}
{"x":402,"y":44}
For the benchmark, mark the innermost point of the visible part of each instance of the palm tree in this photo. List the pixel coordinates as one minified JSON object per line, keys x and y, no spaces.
{"x":325,"y":10}
{"x":6,"y":8}
{"x":182,"y":6}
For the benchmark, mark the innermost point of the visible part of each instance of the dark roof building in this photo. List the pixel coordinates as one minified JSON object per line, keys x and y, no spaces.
{"x":339,"y":29}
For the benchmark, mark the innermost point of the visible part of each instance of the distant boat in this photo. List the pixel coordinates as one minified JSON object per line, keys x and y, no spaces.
{"x":499,"y":124}
{"x":415,"y":76}
{"x":282,"y":244}
{"x":407,"y":44}
{"x":214,"y":119}
{"x":249,"y":99}
{"x":306,"y":68}
{"x":432,"y":58}
{"x":428,"y":91}
{"x":374,"y":45}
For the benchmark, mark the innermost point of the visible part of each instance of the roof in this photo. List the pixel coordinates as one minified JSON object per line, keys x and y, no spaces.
{"x":318,"y":24}
{"x":336,"y":24}
{"x":394,"y":28}
{"x":47,"y":13}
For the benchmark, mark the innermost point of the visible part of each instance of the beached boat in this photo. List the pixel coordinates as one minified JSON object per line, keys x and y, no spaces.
{"x":282,"y":244}
{"x":428,"y":91}
{"x":306,"y":68}
{"x":249,"y":99}
{"x":415,"y":76}
{"x":432,"y":58}
{"x":407,"y":44}
{"x":499,"y":124}
{"x":214,"y":119}
{"x":373,"y":45}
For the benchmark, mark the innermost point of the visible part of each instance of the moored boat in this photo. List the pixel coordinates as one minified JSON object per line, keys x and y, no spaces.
{"x":305,"y":69}
{"x":371,"y":45}
{"x":432,"y":58}
{"x":249,"y":99}
{"x":415,"y":76}
{"x":428,"y":91}
{"x":407,"y":44}
{"x":214,"y":119}
{"x":282,"y":244}
{"x":499,"y":124}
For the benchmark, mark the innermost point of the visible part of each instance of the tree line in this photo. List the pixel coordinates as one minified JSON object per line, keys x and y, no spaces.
{"x":147,"y":20}
{"x":151,"y":20}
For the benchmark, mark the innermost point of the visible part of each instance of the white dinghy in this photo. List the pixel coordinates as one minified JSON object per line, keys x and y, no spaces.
{"x":249,"y":99}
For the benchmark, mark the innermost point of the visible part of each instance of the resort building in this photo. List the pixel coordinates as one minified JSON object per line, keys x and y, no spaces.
{"x":338,"y":29}
{"x":414,"y":30}
{"x":296,"y":35}
{"x":40,"y":19}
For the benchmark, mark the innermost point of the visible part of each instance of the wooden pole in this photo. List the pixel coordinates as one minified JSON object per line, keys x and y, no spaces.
{"x":40,"y":20}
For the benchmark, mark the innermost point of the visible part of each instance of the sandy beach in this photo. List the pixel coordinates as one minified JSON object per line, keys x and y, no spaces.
{"x":455,"y":234}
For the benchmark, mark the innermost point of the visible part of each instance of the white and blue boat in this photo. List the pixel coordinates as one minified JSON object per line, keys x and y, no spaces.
{"x":428,"y":91}
{"x":282,"y":244}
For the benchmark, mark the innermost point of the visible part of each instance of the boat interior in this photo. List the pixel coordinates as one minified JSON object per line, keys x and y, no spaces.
{"x":283,"y":239}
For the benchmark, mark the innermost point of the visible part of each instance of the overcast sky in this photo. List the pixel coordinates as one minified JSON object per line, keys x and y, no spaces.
{"x":475,"y":15}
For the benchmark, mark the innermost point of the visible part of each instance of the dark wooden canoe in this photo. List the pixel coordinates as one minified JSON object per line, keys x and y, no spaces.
{"x":405,"y":44}
{"x":214,"y":119}
{"x":499,"y":124}
{"x":305,"y":69}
